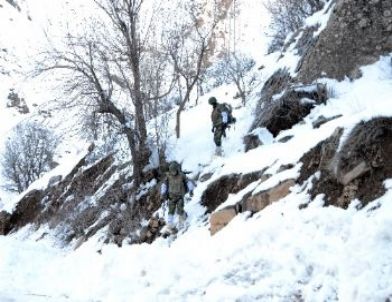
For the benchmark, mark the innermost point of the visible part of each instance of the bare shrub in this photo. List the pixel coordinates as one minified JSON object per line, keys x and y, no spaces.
{"x":28,"y":154}
{"x":234,"y":68}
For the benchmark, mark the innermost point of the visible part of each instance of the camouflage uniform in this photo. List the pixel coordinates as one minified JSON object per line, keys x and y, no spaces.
{"x":219,"y":127}
{"x":174,"y":188}
{"x":219,"y":118}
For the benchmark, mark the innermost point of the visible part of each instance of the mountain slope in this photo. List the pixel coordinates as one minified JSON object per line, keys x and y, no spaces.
{"x":300,"y":248}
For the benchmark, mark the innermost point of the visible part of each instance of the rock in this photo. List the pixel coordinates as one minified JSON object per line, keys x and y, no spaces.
{"x":206,"y":177}
{"x":259,"y":201}
{"x":321,"y":120}
{"x":349,"y":193}
{"x":153,"y":223}
{"x":255,"y":203}
{"x":220,"y":219}
{"x":54,"y":179}
{"x":251,"y":141}
{"x":252,"y":203}
{"x":218,"y":191}
{"x":277,"y":83}
{"x":354,"y":36}
{"x":285,"y":139}
{"x":284,"y":168}
{"x":287,"y":110}
{"x":5,"y":219}
{"x":115,"y":227}
{"x":356,"y":172}
{"x":143,"y":234}
{"x":321,"y":157}
{"x":79,"y":242}
{"x":28,"y":209}
{"x":280,"y":191}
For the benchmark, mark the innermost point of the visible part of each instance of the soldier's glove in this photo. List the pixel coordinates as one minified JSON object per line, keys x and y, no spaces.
{"x":191,"y":193}
{"x":213,"y":129}
{"x":234,"y":120}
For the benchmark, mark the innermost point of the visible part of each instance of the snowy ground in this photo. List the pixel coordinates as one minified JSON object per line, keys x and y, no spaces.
{"x":281,"y":254}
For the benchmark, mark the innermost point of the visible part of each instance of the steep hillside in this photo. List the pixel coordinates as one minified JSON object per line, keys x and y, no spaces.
{"x":297,"y":209}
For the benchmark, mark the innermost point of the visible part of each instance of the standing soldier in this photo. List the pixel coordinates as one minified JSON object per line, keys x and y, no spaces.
{"x":221,"y":117}
{"x":174,"y":188}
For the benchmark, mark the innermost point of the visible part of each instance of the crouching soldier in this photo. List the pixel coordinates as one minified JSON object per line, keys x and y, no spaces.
{"x":173,"y":189}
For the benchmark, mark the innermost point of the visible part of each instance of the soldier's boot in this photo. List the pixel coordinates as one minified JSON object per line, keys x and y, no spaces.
{"x":169,"y":228}
{"x":182,"y":220}
{"x":218,"y":151}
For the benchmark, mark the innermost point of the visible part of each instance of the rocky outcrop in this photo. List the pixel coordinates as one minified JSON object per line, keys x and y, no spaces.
{"x":358,"y":32}
{"x":91,"y":197}
{"x":27,"y":210}
{"x":250,"y":203}
{"x":218,"y":191}
{"x":251,"y":141}
{"x":277,"y":83}
{"x":152,"y":230}
{"x":357,"y":170}
{"x":283,"y":112}
{"x":321,"y":158}
{"x":321,"y":120}
{"x":220,"y":219}
{"x":257,"y":202}
{"x":5,"y":218}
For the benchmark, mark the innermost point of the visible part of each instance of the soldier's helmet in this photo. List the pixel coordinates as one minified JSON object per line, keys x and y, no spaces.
{"x":212,"y":101}
{"x":173,"y":168}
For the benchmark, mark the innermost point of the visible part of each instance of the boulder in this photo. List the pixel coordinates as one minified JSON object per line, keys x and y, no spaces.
{"x":356,"y":172}
{"x":27,"y":210}
{"x":218,"y":191}
{"x":285,"y":139}
{"x":321,"y":120}
{"x":251,"y":141}
{"x":252,"y":203}
{"x":277,"y":83}
{"x":5,"y":219}
{"x":287,"y":110}
{"x":259,"y":201}
{"x":205,"y":177}
{"x":220,"y":219}
{"x":321,"y":157}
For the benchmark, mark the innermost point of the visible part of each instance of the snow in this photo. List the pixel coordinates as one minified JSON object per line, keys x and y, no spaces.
{"x":280,"y":254}
{"x":336,"y":255}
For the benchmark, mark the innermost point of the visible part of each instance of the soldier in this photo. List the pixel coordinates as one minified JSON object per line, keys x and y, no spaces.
{"x":221,"y":119}
{"x":174,"y":188}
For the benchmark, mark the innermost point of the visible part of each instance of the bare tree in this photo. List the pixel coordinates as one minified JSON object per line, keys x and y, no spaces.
{"x":190,"y":47}
{"x":28,"y":154}
{"x":90,"y":78}
{"x":233,"y":68}
{"x":104,"y":68}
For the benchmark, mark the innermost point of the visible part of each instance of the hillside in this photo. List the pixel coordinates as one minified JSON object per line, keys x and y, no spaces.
{"x":297,"y":209}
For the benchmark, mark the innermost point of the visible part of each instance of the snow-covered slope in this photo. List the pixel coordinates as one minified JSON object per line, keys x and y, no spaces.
{"x":283,"y":253}
{"x":280,"y":254}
